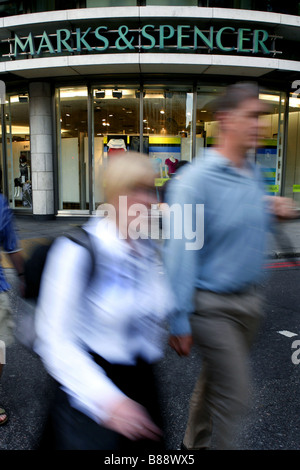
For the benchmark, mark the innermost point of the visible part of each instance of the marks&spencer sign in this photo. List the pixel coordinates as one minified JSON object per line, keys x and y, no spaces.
{"x":150,"y":37}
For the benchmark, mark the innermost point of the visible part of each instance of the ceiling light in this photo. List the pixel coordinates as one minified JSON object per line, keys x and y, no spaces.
{"x":100,"y":94}
{"x":138,"y":94}
{"x":23,"y":98}
{"x":117,"y":94}
{"x":267,"y":97}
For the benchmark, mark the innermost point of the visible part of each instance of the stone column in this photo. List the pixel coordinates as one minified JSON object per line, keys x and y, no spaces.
{"x":41,"y":150}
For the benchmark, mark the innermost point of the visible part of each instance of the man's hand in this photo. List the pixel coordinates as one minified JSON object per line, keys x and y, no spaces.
{"x":282,"y":207}
{"x":131,"y":420}
{"x":181,"y":344}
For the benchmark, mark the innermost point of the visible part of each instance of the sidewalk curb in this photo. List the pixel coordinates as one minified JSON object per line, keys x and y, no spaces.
{"x":283,"y":254}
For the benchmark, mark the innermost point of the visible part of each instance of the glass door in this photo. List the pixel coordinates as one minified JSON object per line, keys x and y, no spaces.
{"x":116,"y":126}
{"x":269,"y":155}
{"x":72,"y":148}
{"x":292,"y":164}
{"x":18,"y":159}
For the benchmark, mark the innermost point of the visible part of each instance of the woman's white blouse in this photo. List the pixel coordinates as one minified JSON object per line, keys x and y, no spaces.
{"x":119,"y":314}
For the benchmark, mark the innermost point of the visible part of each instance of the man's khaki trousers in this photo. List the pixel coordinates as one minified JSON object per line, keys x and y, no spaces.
{"x":223,"y":326}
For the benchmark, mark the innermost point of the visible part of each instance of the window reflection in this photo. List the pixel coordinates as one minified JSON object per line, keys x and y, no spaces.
{"x":292,"y":171}
{"x":167,"y":127}
{"x":206,"y":125}
{"x":269,"y":154}
{"x":110,"y":3}
{"x":166,"y":134}
{"x":116,"y":127}
{"x":18,"y":151}
{"x":73,"y":162}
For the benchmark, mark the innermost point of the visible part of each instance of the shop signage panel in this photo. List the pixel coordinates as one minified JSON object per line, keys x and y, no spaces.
{"x":182,"y":38}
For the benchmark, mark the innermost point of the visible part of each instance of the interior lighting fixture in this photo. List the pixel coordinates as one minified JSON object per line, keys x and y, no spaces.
{"x":23,"y":98}
{"x":100,"y":94}
{"x":73,"y":92}
{"x":294,"y":103}
{"x":267,"y":97}
{"x":168,"y":94}
{"x":117,"y":94}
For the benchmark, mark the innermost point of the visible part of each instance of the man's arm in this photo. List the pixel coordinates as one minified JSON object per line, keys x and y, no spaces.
{"x":18,"y":261}
{"x":180,"y":265}
{"x":11,"y":243}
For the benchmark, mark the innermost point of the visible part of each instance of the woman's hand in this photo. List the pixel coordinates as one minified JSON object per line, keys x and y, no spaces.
{"x":132,"y":421}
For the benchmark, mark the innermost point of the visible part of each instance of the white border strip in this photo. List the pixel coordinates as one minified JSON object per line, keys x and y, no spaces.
{"x":136,"y":59}
{"x":254,"y":16}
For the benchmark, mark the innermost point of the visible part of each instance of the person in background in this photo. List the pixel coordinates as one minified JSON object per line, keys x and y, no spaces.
{"x":219,"y":306}
{"x":100,"y":338}
{"x":10,"y":244}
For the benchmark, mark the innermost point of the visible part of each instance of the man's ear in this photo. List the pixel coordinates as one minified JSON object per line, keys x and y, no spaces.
{"x":224,"y":119}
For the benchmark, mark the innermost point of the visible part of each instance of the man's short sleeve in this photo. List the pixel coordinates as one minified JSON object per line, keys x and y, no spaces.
{"x":9,"y":238}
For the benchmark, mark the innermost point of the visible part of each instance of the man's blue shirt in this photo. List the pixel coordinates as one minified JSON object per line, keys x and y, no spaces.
{"x":235,"y":229}
{"x":8,"y":237}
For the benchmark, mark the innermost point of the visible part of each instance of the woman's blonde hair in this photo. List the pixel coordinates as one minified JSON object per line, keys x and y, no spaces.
{"x":125,"y":172}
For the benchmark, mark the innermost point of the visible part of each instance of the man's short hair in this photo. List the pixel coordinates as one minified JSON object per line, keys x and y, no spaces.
{"x":234,"y":95}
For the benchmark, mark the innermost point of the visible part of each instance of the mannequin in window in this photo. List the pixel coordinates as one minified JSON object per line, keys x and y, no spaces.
{"x":24,"y":169}
{"x":171,"y":163}
{"x":18,"y":186}
{"x":24,"y":178}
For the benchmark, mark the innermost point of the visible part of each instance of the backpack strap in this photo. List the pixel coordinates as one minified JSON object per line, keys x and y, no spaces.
{"x":80,"y":236}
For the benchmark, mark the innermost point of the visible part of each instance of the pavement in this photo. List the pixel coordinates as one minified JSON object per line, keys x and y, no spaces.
{"x":283,"y":242}
{"x":32,"y":231}
{"x":25,"y":387}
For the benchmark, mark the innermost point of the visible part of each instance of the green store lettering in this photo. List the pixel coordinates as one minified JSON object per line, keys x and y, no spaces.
{"x":149,"y":37}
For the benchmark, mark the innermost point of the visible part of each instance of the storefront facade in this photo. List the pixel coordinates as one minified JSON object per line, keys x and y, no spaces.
{"x":83,"y":83}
